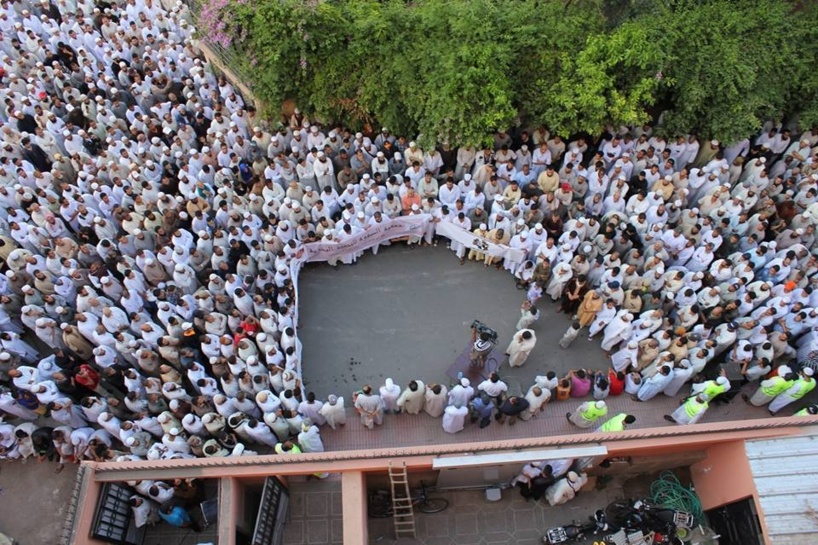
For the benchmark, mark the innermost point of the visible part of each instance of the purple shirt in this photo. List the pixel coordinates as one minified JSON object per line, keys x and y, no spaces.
{"x":580,"y":387}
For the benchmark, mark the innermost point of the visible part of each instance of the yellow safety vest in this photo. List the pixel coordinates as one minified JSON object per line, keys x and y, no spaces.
{"x":617,"y":423}
{"x":694,"y":407}
{"x":807,"y":385}
{"x":592,"y":413}
{"x":780,"y":385}
{"x":279,"y":448}
{"x":712,"y":389}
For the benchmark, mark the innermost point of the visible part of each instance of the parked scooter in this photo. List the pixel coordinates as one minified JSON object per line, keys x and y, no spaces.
{"x":576,"y":531}
{"x":641,"y":515}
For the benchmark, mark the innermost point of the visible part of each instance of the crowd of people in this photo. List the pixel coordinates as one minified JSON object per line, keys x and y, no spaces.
{"x":150,"y":222}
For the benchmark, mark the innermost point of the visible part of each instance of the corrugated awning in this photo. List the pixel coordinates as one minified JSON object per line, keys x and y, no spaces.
{"x":785,"y":471}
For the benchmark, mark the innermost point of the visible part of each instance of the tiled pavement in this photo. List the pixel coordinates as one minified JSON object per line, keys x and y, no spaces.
{"x":315,"y":516}
{"x":165,"y":534}
{"x":472,"y":520}
{"x":414,"y":430}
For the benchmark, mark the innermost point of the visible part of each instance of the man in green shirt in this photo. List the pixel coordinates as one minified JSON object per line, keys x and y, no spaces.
{"x":811,"y":410}
{"x":617,"y":423}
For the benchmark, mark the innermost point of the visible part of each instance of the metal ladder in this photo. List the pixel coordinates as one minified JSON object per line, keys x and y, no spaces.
{"x":402,"y":511}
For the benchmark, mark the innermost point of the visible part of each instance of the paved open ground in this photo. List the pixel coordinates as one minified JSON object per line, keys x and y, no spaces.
{"x":34,"y":501}
{"x":405,"y":314}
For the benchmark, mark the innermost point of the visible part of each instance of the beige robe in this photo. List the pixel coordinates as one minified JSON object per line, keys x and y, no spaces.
{"x":434,"y":404}
{"x":586,"y":314}
{"x":519,"y":348}
{"x":412,"y":402}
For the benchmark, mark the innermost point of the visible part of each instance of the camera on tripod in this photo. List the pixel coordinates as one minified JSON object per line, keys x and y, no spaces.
{"x":484,"y":331}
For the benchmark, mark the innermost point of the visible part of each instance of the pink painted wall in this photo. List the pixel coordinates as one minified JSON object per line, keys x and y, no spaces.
{"x":724,"y":476}
{"x":353,"y":490}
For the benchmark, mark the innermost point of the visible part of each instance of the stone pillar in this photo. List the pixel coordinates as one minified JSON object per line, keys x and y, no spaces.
{"x":353,"y":490}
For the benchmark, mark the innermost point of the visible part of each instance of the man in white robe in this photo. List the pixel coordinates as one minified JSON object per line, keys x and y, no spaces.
{"x":617,"y":331}
{"x":461,"y":393}
{"x":653,"y":386}
{"x":623,"y":358}
{"x":520,"y":347}
{"x":603,"y":318}
{"x":454,"y":417}
{"x":310,"y":439}
{"x":13,"y":344}
{"x":682,"y":372}
{"x":560,"y":276}
{"x":565,"y":489}
{"x":334,"y":412}
{"x":390,"y":392}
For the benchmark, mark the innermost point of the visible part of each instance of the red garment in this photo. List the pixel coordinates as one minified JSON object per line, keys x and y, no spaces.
{"x":249,"y":328}
{"x":617,"y":386}
{"x":88,"y":377}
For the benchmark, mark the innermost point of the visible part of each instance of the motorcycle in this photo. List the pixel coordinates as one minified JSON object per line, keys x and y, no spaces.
{"x":642,"y":516}
{"x":577,"y":531}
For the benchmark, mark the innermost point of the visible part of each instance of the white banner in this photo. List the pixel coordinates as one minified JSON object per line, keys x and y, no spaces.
{"x":481,"y":244}
{"x":396,"y":228}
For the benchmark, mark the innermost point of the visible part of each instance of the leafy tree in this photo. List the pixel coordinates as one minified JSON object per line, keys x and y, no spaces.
{"x":726,"y":59}
{"x":611,"y":81}
{"x":457,"y":70}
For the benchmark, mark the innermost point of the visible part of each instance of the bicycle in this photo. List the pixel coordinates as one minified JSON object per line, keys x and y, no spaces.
{"x":380,"y":503}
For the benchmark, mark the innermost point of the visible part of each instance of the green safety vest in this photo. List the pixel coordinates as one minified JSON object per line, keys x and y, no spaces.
{"x":693,"y":407}
{"x":617,"y":423}
{"x":592,"y":413}
{"x":279,"y":448}
{"x":807,"y":385}
{"x":779,"y":386}
{"x":712,"y":389}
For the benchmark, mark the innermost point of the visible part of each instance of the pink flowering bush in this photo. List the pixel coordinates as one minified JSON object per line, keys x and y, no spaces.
{"x":217,"y":22}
